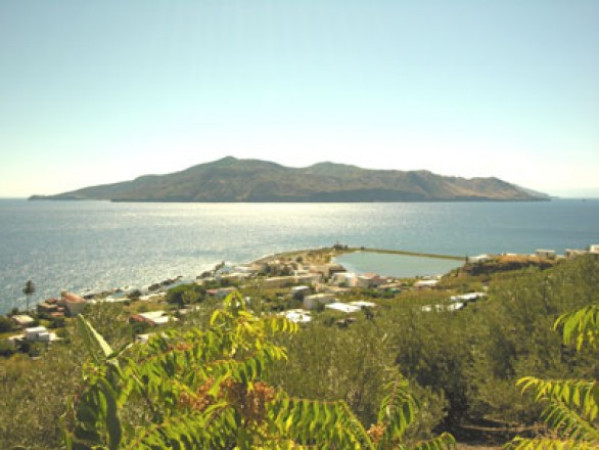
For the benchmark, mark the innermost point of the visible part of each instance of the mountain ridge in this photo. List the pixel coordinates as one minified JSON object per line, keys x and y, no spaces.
{"x":251,"y":180}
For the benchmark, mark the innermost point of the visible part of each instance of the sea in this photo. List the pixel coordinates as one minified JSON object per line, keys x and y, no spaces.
{"x":91,"y":246}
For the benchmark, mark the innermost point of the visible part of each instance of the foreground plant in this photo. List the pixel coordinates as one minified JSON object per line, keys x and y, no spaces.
{"x":204,"y":389}
{"x":572,"y":405}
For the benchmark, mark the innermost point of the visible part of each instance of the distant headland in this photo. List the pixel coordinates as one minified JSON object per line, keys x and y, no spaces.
{"x":249,"y":180}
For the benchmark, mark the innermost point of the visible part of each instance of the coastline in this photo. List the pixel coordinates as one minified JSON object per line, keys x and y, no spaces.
{"x":325,"y":254}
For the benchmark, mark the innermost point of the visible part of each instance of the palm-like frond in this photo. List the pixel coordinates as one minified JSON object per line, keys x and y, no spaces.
{"x":549,"y":444}
{"x":572,"y":404}
{"x":575,"y":394}
{"x":580,"y":327}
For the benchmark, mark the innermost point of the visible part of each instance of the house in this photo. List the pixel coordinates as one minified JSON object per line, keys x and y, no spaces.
{"x":363,"y":304}
{"x":594,"y":249}
{"x":22,"y":320}
{"x":574,"y":252}
{"x":39,"y":334}
{"x":14,"y":340}
{"x":423,"y":284}
{"x":297,"y":315}
{"x":370,"y":279}
{"x":455,"y":306}
{"x":278,"y":282}
{"x":50,"y":306}
{"x":73,"y":303}
{"x":334,"y":268}
{"x":312,"y":301}
{"x":440,"y":308}
{"x":344,"y":278}
{"x":343,"y":307}
{"x":466,"y":298}
{"x":351,"y":279}
{"x":327,"y":270}
{"x":545,"y":254}
{"x":478,"y":258}
{"x":153,"y":318}
{"x":299,"y":292}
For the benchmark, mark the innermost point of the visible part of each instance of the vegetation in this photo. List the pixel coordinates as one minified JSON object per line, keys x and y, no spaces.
{"x":205,"y":389}
{"x":185,"y":294}
{"x":572,"y":405}
{"x":462,"y":366}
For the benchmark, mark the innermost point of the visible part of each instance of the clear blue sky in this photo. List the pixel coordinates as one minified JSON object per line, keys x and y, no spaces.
{"x":104,"y":91}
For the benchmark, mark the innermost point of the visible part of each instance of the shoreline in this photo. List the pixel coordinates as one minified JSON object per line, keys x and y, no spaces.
{"x":325,"y":254}
{"x":315,"y":256}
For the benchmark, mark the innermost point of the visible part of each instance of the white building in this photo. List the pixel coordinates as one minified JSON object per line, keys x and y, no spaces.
{"x":465,"y":298}
{"x":422,"y":284}
{"x":72,"y":302}
{"x":440,"y":308}
{"x":278,"y":282}
{"x":573,"y":252}
{"x":300,"y":292}
{"x":479,"y":258}
{"x":22,"y":320}
{"x":297,"y":315}
{"x":39,"y":334}
{"x":343,"y":307}
{"x":363,"y":304}
{"x":153,"y":317}
{"x":312,"y":301}
{"x":347,"y":278}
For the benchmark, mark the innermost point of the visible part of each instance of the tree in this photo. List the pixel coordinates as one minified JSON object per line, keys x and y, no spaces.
{"x":572,"y":405}
{"x":206,"y":389}
{"x":29,"y":290}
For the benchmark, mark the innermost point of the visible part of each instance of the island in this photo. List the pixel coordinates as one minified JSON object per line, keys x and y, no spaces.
{"x":248,"y":180}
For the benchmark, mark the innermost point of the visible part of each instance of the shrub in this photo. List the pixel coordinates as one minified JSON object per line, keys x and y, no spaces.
{"x":206,"y":389}
{"x":5,"y":324}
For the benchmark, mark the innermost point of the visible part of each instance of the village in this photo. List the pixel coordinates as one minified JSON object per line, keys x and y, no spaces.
{"x":301,"y":286}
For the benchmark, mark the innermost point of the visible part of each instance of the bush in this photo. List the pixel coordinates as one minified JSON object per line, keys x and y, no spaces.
{"x":6,"y":348}
{"x":5,"y":324}
{"x":185,"y":294}
{"x":207,"y":389}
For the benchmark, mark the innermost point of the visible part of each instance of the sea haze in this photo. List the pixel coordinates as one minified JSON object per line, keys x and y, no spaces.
{"x":87,"y":245}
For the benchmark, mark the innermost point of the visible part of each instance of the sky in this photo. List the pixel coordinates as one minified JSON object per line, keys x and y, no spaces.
{"x":106,"y":91}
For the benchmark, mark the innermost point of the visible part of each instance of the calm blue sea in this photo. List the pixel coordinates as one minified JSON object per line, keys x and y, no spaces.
{"x":91,"y":246}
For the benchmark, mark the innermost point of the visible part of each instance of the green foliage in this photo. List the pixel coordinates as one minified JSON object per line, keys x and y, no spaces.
{"x":185,"y":294}
{"x":511,"y":337}
{"x":206,"y":389}
{"x":571,"y":405}
{"x":6,"y":348}
{"x":5,"y":324}
{"x":33,"y":395}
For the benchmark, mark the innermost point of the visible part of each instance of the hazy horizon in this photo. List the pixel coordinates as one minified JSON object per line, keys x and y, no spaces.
{"x":98,"y":93}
